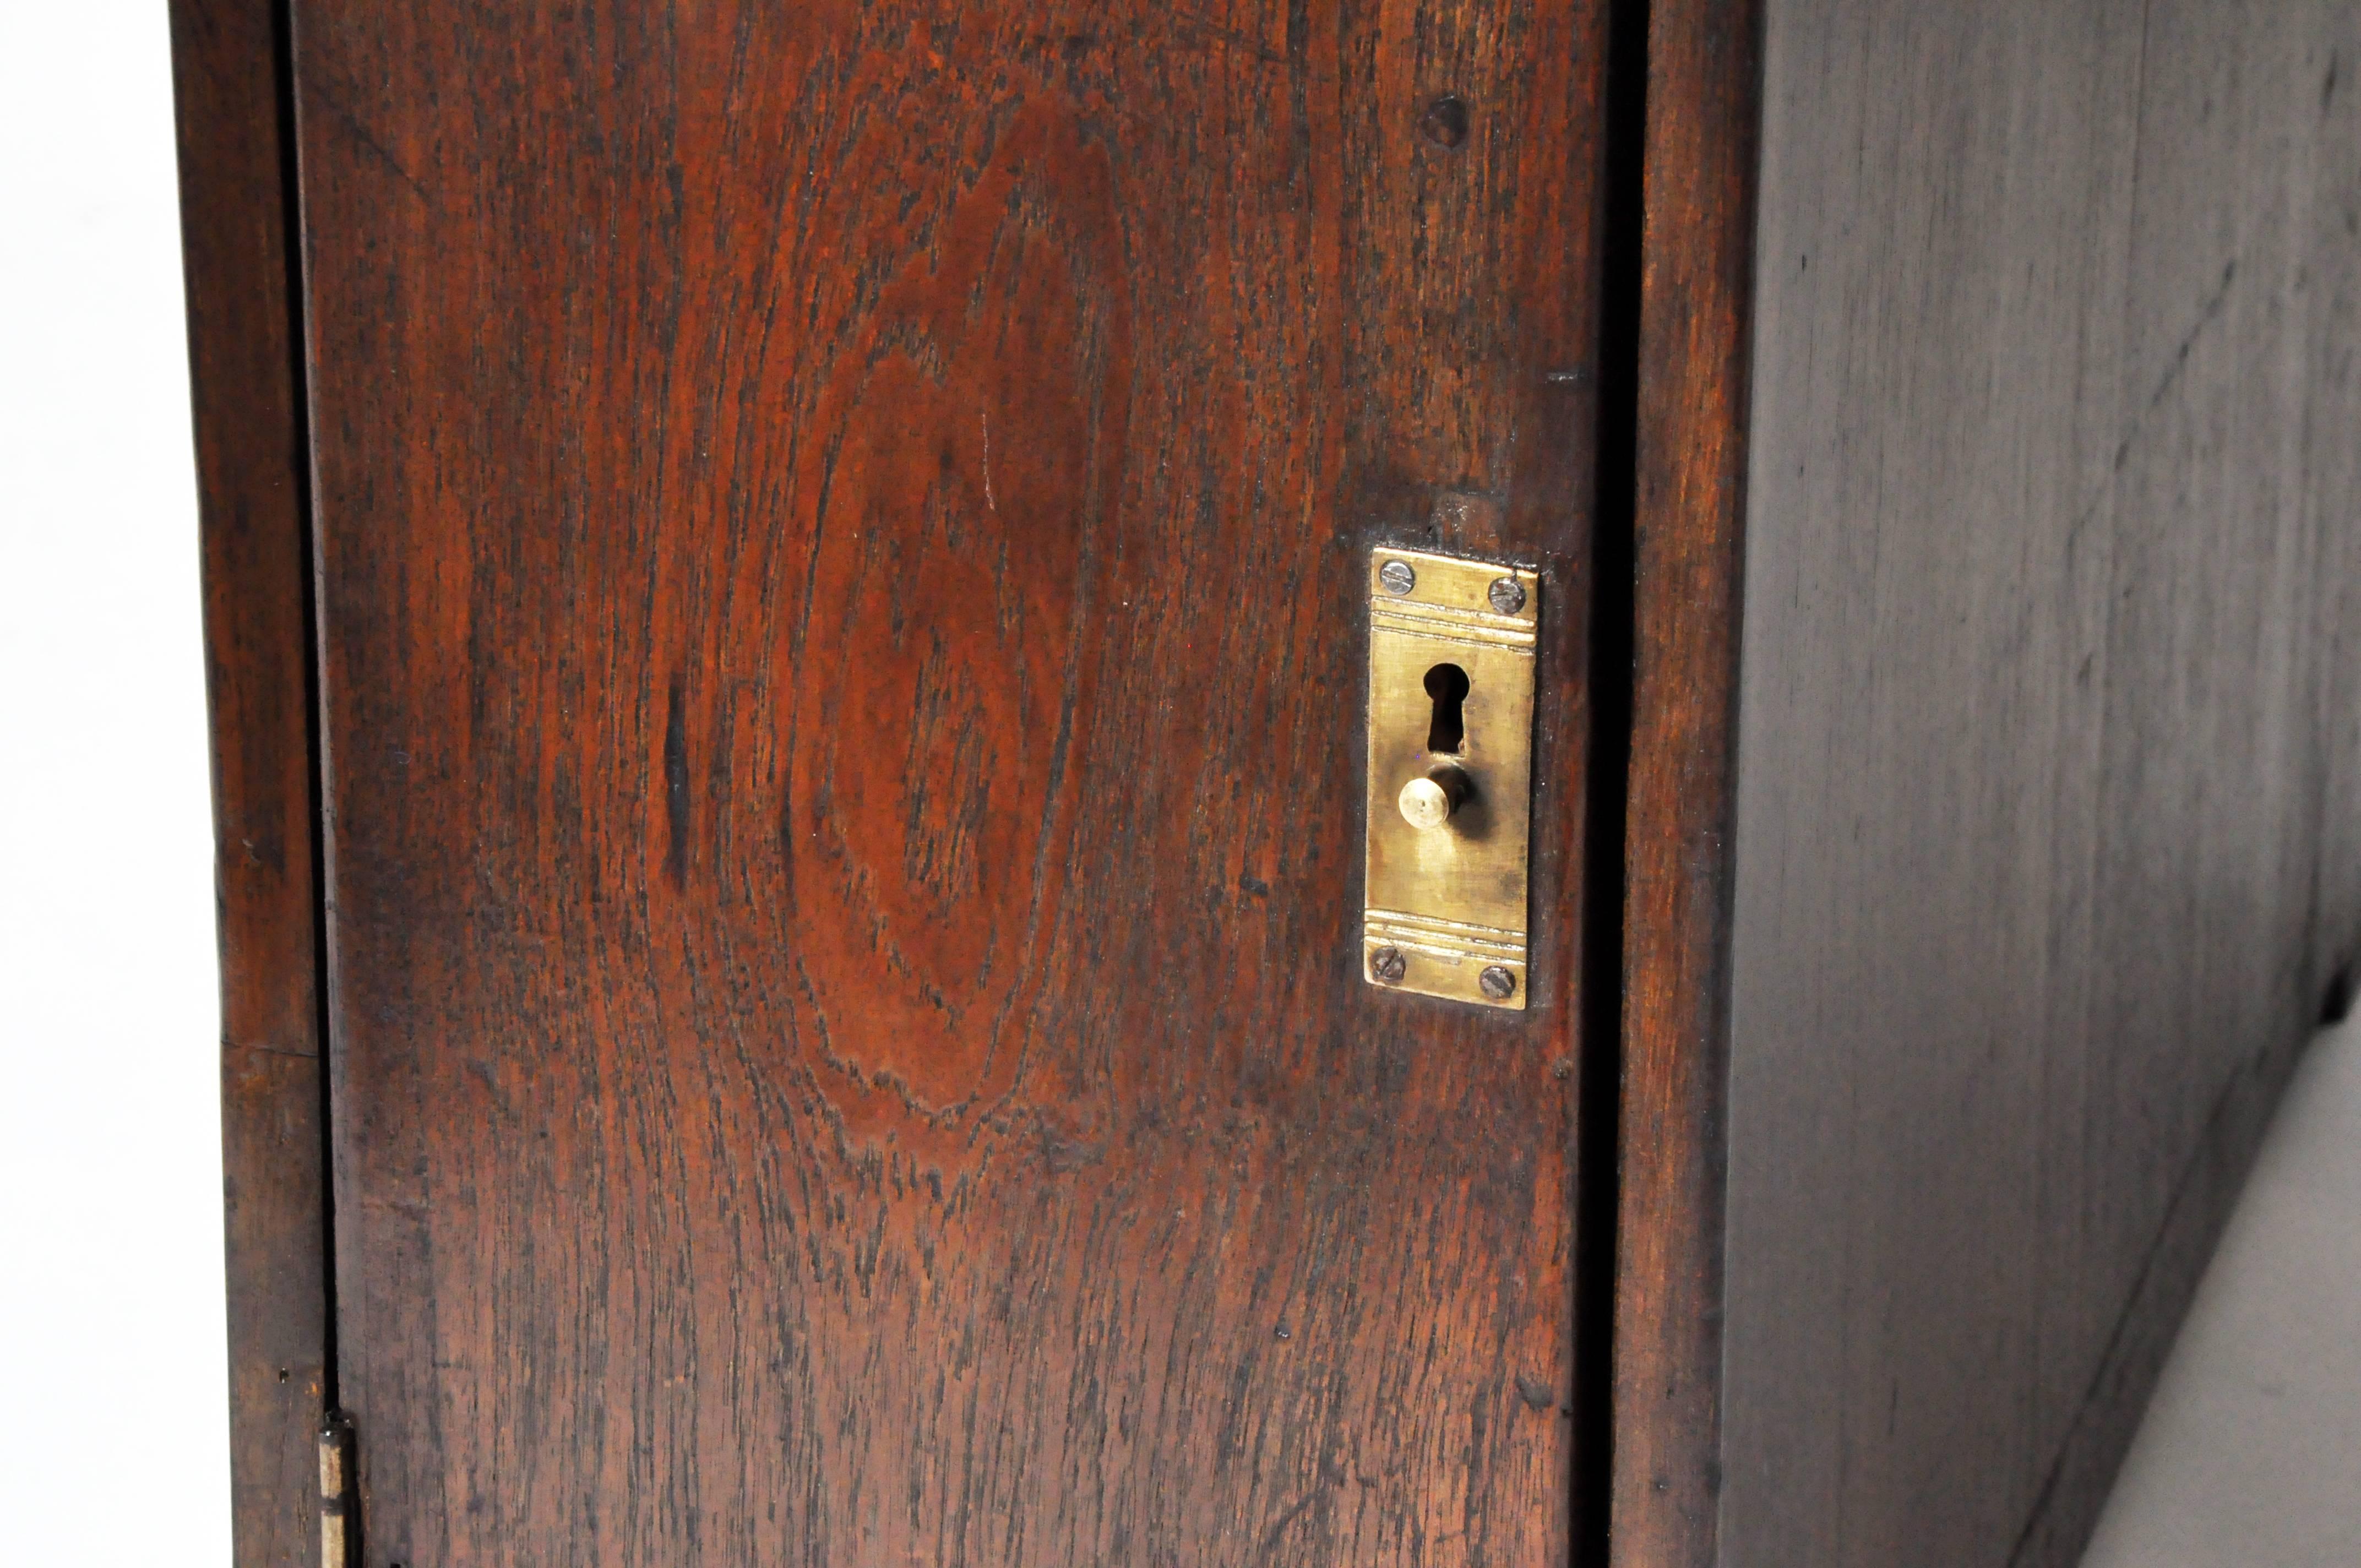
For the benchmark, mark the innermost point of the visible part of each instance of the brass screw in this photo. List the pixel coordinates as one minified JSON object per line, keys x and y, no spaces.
{"x":1386,"y":966}
{"x":1497,"y":983}
{"x":1508,"y":595}
{"x":1397,"y":576}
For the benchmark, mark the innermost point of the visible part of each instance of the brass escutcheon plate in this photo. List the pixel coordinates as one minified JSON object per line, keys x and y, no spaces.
{"x":1451,"y":744}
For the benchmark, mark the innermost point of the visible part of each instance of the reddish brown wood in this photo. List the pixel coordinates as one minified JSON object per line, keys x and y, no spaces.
{"x":250,"y":472}
{"x":1704,"y":80}
{"x":842,"y":545}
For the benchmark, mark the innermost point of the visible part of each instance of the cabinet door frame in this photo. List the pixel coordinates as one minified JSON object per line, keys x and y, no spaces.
{"x":243,"y":280}
{"x":1672,"y":460}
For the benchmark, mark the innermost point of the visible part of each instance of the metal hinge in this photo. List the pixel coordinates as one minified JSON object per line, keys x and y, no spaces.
{"x":335,"y":1489}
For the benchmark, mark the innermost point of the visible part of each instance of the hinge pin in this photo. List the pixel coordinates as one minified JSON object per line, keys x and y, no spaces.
{"x":335,"y":1489}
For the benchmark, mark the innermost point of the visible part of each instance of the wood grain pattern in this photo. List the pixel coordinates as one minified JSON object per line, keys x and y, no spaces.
{"x":2051,"y":529}
{"x":1690,"y":461}
{"x":843,"y":543}
{"x":235,"y":158}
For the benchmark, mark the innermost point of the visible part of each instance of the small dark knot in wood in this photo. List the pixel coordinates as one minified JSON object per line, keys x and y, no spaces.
{"x":1446,"y":121}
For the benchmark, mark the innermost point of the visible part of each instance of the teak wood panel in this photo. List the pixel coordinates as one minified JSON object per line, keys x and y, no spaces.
{"x":842,"y":535}
{"x":2052,"y":535}
{"x":229,"y":57}
{"x":1690,"y":454}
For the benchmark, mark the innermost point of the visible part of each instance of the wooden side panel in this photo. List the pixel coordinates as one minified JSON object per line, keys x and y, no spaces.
{"x":843,"y":534}
{"x":1697,"y":293}
{"x":2046,"y":753}
{"x":235,"y":162}
{"x":2330,"y":474}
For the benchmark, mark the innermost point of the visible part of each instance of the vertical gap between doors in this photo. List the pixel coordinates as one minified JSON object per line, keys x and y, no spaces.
{"x":282,"y":23}
{"x":1613,"y":589}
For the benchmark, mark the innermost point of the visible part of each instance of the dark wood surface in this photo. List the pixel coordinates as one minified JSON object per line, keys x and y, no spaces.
{"x":843,"y":531}
{"x":243,"y":353}
{"x":1695,"y":323}
{"x":842,"y":546}
{"x":2045,"y":809}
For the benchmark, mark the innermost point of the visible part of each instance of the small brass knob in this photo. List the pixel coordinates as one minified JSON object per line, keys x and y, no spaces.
{"x":1428,"y":801}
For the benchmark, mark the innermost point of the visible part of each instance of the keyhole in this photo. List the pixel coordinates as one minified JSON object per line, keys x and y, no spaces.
{"x":1448,"y":684}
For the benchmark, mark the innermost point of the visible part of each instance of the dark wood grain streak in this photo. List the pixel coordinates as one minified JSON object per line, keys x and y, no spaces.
{"x":235,"y":170}
{"x":843,"y":532}
{"x":2046,"y":823}
{"x":1696,"y":326}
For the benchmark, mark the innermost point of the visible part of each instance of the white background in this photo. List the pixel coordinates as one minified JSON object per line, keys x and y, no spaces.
{"x":114,"y":1446}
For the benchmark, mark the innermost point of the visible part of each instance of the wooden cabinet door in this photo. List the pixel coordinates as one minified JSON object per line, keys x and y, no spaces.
{"x":841,"y":539}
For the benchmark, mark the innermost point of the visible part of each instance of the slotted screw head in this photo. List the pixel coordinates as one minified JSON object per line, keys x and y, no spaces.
{"x":1397,"y":576}
{"x":1497,"y":983}
{"x":1386,"y":966}
{"x":1508,"y":595}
